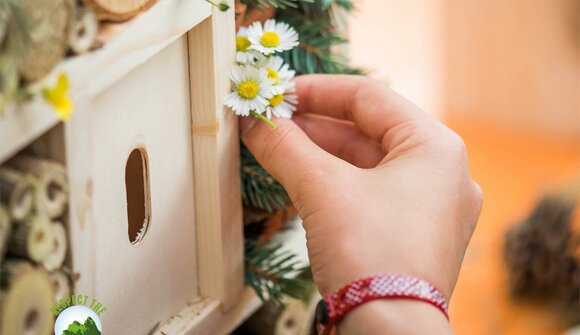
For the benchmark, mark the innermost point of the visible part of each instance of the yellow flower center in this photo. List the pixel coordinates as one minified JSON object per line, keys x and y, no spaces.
{"x":276,"y":100}
{"x":242,"y":43}
{"x":270,"y":39}
{"x":273,"y":74}
{"x":248,"y":89}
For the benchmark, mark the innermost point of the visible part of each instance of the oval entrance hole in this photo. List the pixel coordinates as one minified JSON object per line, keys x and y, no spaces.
{"x":138,"y":198}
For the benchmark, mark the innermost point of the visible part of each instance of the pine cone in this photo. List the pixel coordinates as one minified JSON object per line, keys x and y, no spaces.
{"x":541,"y":257}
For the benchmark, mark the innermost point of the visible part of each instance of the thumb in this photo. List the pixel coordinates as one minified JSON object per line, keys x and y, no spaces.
{"x":285,"y":152}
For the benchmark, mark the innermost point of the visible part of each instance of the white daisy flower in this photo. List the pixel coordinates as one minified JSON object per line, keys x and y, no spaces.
{"x":282,"y":105}
{"x":273,"y":37}
{"x":278,"y":71}
{"x":244,"y":54}
{"x":251,"y":90}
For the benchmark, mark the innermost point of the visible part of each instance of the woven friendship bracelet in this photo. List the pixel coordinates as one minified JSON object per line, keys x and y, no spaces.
{"x":333,"y":307}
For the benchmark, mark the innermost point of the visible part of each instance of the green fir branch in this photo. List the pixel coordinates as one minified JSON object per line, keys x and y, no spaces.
{"x":345,"y":4}
{"x":317,"y":38}
{"x":268,"y":270}
{"x":281,"y":4}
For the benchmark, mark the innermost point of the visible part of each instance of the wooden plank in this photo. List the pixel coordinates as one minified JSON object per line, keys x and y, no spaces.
{"x":204,"y":316}
{"x":153,"y":31}
{"x":190,"y":317}
{"x":90,"y":74}
{"x":20,"y":125}
{"x":50,"y":145}
{"x":216,"y":161}
{"x":149,"y":110}
{"x":217,"y":322}
{"x":81,"y":228}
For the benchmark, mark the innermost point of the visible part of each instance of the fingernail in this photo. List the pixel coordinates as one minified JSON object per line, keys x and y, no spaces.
{"x":247,"y":123}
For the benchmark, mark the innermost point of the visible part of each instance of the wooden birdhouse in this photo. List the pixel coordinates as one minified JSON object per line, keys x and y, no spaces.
{"x":152,"y":161}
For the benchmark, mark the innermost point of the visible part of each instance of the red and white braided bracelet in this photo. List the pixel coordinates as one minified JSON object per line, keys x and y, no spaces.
{"x":333,"y":307}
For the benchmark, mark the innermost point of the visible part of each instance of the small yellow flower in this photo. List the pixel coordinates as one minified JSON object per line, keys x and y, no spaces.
{"x":272,"y":37}
{"x":58,"y":97}
{"x":242,"y":43}
{"x":273,"y":74}
{"x":276,"y":100}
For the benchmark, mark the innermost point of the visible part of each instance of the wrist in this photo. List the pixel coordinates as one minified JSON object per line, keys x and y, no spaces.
{"x":394,"y":316}
{"x":334,"y":307}
{"x":401,"y":258}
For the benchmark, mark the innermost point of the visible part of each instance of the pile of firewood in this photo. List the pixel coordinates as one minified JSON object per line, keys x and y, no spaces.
{"x":35,"y":36}
{"x":33,"y":243}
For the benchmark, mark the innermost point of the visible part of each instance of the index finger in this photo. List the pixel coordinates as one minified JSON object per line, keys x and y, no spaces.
{"x":372,"y":106}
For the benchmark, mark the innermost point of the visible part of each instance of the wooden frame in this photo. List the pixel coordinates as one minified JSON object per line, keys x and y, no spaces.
{"x":216,"y":160}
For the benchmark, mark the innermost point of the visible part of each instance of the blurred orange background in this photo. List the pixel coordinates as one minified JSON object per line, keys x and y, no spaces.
{"x":505,"y":75}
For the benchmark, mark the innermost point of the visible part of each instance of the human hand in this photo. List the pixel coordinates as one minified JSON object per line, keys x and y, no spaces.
{"x":382,"y":187}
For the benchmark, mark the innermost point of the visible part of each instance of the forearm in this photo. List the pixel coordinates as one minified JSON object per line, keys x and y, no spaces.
{"x":404,"y":317}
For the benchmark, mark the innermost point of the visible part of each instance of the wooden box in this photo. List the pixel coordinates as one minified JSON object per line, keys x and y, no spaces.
{"x":152,"y":158}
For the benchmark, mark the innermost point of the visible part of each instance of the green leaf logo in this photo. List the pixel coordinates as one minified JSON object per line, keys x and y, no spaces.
{"x":88,"y":328}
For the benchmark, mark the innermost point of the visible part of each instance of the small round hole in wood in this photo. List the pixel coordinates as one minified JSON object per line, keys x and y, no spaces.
{"x":31,"y":321}
{"x":138,"y":197}
{"x":39,"y":237}
{"x":54,"y":189}
{"x":290,"y":324}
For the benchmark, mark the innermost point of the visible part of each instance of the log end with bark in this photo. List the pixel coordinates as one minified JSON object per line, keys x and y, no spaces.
{"x":277,"y":319}
{"x":32,"y":239}
{"x":49,"y":23}
{"x":118,"y":10}
{"x":25,"y":299}
{"x":17,"y":190}
{"x":83,"y":34}
{"x":55,"y":258}
{"x":5,"y":230}
{"x":52,"y":189}
{"x":61,"y":284}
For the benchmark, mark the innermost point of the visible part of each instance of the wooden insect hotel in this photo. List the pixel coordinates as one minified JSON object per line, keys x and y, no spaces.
{"x":136,"y":200}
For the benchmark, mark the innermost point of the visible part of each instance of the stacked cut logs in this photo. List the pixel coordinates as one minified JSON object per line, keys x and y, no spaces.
{"x":37,"y":35}
{"x":42,"y":33}
{"x":33,"y":243}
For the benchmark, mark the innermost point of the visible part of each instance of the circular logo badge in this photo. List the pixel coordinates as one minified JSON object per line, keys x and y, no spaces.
{"x":77,"y":320}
